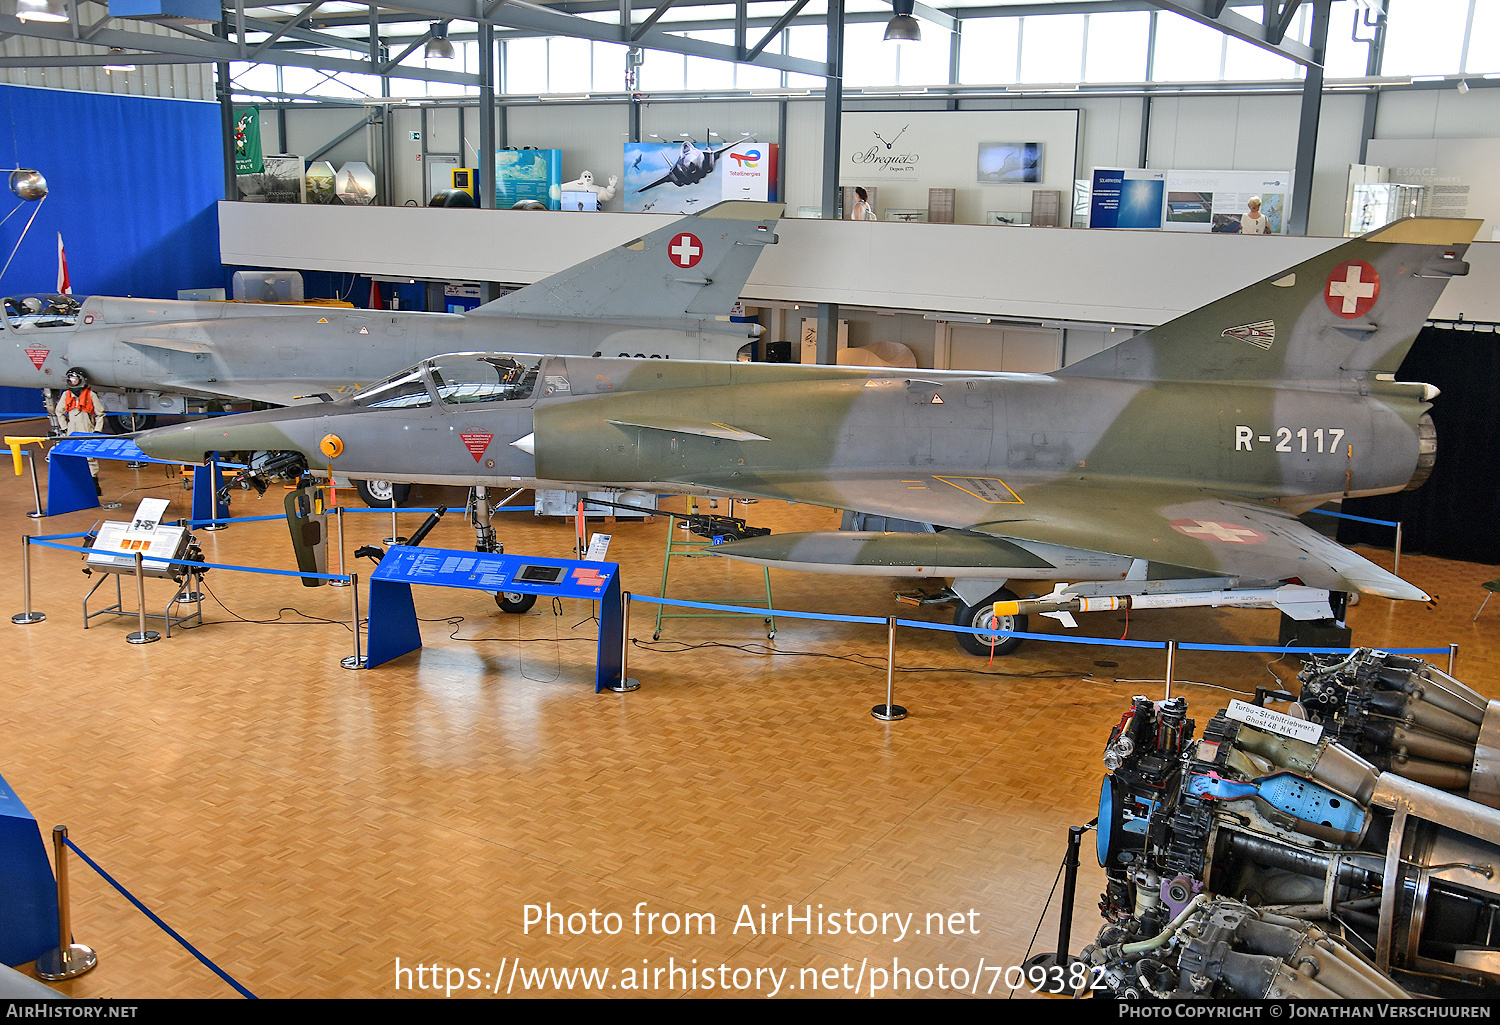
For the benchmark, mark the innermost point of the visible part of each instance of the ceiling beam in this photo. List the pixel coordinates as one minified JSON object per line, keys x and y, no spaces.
{"x":1240,"y":27}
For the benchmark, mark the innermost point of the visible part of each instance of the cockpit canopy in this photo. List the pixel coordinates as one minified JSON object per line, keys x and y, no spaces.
{"x":24,"y":312}
{"x":456,"y":379}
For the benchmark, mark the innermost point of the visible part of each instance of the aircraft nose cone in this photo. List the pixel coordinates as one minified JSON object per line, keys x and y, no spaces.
{"x":185,"y":443}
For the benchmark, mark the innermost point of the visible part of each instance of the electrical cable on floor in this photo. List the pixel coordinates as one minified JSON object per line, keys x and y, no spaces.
{"x":1191,"y":683}
{"x":876,"y":662}
{"x":311,"y":620}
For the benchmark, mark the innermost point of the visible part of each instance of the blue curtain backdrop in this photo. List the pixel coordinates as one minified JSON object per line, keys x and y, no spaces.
{"x":133,"y":181}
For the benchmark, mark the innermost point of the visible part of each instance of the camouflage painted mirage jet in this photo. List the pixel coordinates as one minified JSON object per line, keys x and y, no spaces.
{"x":667,"y":294}
{"x":1166,"y":471}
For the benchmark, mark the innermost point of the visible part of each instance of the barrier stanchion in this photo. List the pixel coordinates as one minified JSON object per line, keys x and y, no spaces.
{"x":212,"y":469}
{"x":626,"y":684}
{"x":36,"y":489}
{"x":141,"y":636}
{"x":70,"y":959}
{"x":1452,"y":658}
{"x":338,"y":514}
{"x":1171,"y":664}
{"x":1060,"y":958}
{"x":357,"y":660}
{"x":27,"y":617}
{"x":1396,"y":568}
{"x":889,"y":712}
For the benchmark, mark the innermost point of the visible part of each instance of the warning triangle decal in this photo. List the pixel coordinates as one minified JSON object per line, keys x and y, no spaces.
{"x":476,"y":443}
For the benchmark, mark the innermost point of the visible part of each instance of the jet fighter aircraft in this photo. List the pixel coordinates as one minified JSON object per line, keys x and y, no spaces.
{"x":691,"y":166}
{"x":1166,"y":471}
{"x":667,"y":294}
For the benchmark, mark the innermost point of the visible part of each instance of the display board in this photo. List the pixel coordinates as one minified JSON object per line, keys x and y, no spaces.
{"x":992,"y":159}
{"x":1459,"y":174}
{"x":1187,"y":200}
{"x":685,"y":177}
{"x":28,"y":914}
{"x":528,"y":174}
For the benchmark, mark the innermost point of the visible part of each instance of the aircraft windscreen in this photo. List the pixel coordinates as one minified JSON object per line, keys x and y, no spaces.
{"x":475,"y":378}
{"x":34,"y":311}
{"x":406,"y":390}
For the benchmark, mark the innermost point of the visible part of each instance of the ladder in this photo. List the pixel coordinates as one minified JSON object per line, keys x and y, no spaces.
{"x":687,"y":549}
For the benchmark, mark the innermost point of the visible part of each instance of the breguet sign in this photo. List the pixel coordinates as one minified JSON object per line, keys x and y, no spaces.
{"x":884,"y":159}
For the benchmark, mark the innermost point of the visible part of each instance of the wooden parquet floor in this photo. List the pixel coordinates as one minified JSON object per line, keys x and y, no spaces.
{"x":306,"y":826}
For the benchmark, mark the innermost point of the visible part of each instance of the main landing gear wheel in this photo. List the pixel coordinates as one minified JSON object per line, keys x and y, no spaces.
{"x":382,"y":494}
{"x":514,"y":602}
{"x":982,"y":617}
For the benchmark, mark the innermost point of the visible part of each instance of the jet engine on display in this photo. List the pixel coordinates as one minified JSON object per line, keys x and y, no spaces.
{"x":1408,"y":717}
{"x":1264,"y":860}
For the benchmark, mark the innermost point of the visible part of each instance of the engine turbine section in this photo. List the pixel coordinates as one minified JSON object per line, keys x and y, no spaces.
{"x":1407,"y":717}
{"x":1267,"y":860}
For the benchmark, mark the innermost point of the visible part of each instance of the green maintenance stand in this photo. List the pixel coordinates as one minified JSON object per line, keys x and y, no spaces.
{"x":691,"y":549}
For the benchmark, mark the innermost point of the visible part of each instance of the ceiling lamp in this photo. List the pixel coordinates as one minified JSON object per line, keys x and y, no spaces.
{"x":438,"y":47}
{"x":41,"y":10}
{"x":120,"y":64}
{"x":903,"y":28}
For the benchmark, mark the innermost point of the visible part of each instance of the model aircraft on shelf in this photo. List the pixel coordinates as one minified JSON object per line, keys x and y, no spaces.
{"x":667,"y":294}
{"x":1167,"y":471}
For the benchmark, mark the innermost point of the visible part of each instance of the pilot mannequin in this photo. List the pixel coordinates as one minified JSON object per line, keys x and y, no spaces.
{"x":79,"y":411}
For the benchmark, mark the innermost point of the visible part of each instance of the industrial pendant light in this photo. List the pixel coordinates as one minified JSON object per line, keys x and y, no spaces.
{"x":41,"y":10}
{"x":903,"y":28}
{"x":438,"y":47}
{"x":121,"y":62}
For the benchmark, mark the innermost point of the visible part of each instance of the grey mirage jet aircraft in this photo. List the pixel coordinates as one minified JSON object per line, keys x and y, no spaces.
{"x":667,"y":294}
{"x":1166,"y":471}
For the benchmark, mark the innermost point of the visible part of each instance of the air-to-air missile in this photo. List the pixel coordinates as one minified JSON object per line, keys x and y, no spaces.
{"x":1166,"y":471}
{"x":667,"y":294}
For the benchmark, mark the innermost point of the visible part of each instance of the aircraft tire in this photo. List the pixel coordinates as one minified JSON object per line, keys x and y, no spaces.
{"x":382,"y":494}
{"x":514,"y":602}
{"x":128,"y":423}
{"x":979,"y":616}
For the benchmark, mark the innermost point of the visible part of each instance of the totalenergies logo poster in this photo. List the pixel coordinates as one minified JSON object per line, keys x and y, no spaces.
{"x":686,"y":177}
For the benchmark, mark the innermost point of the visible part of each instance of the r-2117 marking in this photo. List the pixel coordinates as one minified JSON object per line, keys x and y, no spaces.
{"x":1245,"y":439}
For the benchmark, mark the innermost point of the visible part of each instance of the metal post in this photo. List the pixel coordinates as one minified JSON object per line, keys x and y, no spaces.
{"x":70,"y":959}
{"x":1396,"y":569}
{"x":357,"y":660}
{"x":141,"y":636}
{"x":36,"y":491}
{"x":212,"y":468}
{"x":338,"y":514}
{"x":1452,"y":658}
{"x":395,"y":538}
{"x":625,"y":683}
{"x":889,"y":712}
{"x":1060,"y":957}
{"x":1171,"y":662}
{"x":27,"y":617}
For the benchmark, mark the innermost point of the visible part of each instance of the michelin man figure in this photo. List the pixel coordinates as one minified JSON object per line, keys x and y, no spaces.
{"x":585,"y":183}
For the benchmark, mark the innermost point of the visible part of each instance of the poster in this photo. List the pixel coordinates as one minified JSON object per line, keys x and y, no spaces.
{"x":1216,"y":201}
{"x":684,"y":178}
{"x":1127,"y":198}
{"x":283,"y":181}
{"x":528,"y":174}
{"x":247,"y":153}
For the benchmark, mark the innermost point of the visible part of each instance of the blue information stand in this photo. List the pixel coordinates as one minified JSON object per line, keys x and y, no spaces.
{"x":70,"y":486}
{"x":393,"y":617}
{"x":28,"y":912}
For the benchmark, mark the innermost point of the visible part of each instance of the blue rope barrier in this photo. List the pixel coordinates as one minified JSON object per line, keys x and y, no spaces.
{"x":1108,"y":642}
{"x":230,"y":519}
{"x":1351,"y":516}
{"x":58,"y":537}
{"x":828,"y":617}
{"x":221,"y":973}
{"x":387,"y":509}
{"x":208,"y":565}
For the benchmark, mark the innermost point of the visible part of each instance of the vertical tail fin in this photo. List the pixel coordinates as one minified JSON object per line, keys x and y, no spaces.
{"x":694,"y":268}
{"x":1355,"y":309}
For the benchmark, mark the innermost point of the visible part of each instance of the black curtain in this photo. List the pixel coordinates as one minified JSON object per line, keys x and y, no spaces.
{"x":1456,"y":514}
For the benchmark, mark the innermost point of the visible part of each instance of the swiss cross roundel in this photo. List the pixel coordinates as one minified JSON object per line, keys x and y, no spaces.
{"x":1214,"y":530}
{"x":1352,"y":289}
{"x":685,"y":250}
